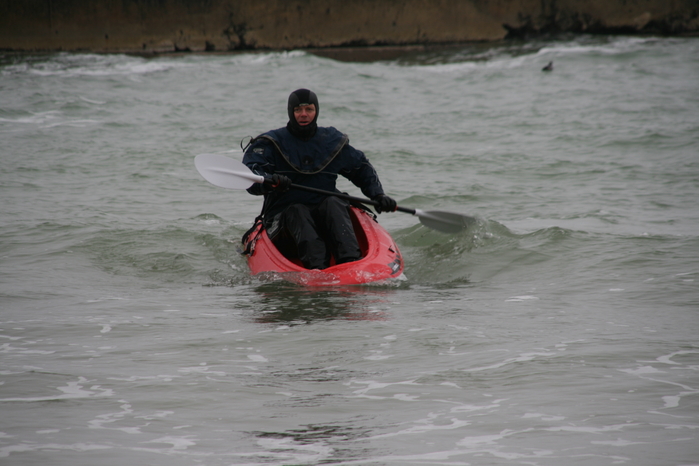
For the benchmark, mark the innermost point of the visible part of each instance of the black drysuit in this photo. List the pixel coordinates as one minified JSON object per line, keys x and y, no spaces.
{"x":313,"y":224}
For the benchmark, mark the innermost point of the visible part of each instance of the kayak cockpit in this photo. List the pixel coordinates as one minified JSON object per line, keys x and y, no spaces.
{"x":381,"y":258}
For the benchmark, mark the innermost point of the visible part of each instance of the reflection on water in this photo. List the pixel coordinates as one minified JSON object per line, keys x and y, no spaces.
{"x":288,"y":303}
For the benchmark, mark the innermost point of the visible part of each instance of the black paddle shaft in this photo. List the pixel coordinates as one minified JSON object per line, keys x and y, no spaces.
{"x":344,"y":196}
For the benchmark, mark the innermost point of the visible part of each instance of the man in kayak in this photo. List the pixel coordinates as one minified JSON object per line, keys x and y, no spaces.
{"x":301,"y":224}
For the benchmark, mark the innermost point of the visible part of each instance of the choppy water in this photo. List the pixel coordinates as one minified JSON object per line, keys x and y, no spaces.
{"x":562,"y":329}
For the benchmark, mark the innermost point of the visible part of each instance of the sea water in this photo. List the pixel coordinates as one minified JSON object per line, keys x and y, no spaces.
{"x":562,"y":328}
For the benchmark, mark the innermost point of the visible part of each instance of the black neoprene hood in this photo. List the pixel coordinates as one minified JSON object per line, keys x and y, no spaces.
{"x":297,"y":98}
{"x":302,"y":97}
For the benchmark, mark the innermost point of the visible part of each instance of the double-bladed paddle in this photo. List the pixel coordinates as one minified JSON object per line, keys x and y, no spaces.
{"x":225,"y":172}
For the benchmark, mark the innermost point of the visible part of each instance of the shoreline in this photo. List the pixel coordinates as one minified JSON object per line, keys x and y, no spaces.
{"x":214,"y":26}
{"x":367,"y":53}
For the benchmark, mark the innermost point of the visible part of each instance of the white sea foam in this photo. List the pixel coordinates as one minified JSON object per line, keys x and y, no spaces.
{"x":77,"y":447}
{"x":667,"y":359}
{"x":591,"y":429}
{"x":521,"y":358}
{"x":543,"y":417}
{"x":178,"y":443}
{"x":378,"y":356}
{"x":73,"y":390}
{"x":374,"y":385}
{"x":200,"y":370}
{"x":643,"y":370}
{"x":519,"y":299}
{"x":257,"y":358}
{"x":424,"y":426}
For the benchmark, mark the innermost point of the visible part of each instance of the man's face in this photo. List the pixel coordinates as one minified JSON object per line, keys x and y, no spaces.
{"x":305,"y":114}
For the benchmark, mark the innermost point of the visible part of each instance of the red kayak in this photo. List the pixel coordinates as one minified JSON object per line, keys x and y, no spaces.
{"x":381,"y":260}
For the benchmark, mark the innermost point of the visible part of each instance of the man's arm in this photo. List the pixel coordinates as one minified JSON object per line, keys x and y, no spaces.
{"x":361,"y":173}
{"x":259,"y":158}
{"x":365,"y":177}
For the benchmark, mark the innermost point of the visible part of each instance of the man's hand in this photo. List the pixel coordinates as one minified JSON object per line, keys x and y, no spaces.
{"x":385,"y":203}
{"x":280,"y":183}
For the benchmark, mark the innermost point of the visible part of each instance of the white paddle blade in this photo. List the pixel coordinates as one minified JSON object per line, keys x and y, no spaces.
{"x":447,"y":222}
{"x":225,"y":172}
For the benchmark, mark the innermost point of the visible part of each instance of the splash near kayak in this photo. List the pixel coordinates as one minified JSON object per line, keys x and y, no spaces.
{"x":381,"y":259}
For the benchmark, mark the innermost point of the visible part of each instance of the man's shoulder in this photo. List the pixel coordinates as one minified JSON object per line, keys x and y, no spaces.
{"x":331,"y":136}
{"x":330,"y":131}
{"x":275,"y":134}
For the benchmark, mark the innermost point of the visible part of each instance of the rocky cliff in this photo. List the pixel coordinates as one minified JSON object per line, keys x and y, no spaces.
{"x":224,"y":25}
